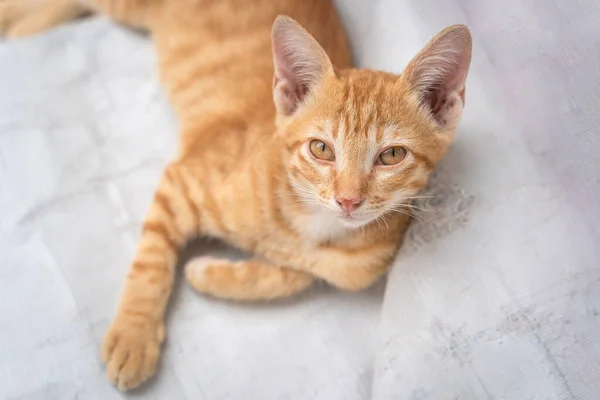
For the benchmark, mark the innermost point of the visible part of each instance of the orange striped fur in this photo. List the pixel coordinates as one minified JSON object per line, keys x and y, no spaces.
{"x":251,"y":97}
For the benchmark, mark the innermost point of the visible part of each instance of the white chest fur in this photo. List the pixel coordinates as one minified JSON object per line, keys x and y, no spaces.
{"x":322,"y":226}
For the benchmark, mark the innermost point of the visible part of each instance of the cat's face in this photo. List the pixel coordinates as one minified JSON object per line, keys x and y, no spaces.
{"x":361,"y":147}
{"x":360,"y":143}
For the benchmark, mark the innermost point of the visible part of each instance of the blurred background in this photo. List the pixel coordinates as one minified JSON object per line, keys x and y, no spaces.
{"x":495,"y":294}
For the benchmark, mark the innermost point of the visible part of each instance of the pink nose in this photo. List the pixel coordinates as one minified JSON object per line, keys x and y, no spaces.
{"x":348,"y":204}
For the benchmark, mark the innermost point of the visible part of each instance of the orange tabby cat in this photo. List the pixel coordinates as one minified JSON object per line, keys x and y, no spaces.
{"x":316,"y":183}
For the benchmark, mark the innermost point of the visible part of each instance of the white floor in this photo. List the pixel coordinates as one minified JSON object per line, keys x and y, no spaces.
{"x":496,"y":294}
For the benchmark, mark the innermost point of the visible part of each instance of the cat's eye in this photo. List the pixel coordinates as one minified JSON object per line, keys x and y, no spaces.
{"x":392,"y":156}
{"x":321,"y":150}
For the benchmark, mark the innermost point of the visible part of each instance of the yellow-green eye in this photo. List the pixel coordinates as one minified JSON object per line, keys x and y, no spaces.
{"x":392,"y":156}
{"x":321,"y":151}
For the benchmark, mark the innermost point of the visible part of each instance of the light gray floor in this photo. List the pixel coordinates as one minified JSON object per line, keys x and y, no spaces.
{"x":496,"y":294}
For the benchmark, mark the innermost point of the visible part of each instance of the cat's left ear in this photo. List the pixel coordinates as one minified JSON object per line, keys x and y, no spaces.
{"x":438,"y":73}
{"x":300,"y":64}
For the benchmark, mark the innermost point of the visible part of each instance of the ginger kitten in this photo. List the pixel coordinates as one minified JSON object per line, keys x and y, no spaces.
{"x":286,"y":152}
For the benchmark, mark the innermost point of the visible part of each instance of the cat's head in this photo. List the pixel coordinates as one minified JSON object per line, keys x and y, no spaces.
{"x":360,"y":143}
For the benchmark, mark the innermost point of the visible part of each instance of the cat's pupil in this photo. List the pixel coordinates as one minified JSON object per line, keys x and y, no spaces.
{"x":393,"y":152}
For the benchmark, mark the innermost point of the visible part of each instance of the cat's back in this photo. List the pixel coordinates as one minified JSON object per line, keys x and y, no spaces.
{"x":215,"y":55}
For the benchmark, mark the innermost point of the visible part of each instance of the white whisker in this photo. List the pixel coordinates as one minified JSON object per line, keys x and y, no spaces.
{"x":415,"y":207}
{"x":410,"y":212}
{"x":418,"y":197}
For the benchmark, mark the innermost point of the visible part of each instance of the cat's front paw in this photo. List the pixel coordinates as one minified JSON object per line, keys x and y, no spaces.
{"x":131,"y":350}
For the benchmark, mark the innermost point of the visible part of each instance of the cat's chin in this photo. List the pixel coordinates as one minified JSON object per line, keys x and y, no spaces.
{"x":354,"y":222}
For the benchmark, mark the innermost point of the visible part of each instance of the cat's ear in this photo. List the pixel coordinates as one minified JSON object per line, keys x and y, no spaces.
{"x":300,"y":63}
{"x":438,"y":73}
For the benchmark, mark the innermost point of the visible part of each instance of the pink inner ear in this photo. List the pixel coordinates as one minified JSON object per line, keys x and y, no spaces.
{"x":439,"y":71}
{"x":299,"y":64}
{"x":448,"y":109}
{"x":287,"y":96}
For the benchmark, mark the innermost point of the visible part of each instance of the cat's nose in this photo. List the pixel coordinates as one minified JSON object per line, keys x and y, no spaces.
{"x":349,"y":204}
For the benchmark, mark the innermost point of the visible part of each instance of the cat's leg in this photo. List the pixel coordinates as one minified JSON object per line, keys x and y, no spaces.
{"x":20,"y":18}
{"x":259,"y":280}
{"x":348,"y":275}
{"x":244,"y":280}
{"x":352,"y":271}
{"x":132,"y":344}
{"x":135,"y":13}
{"x":347,"y":269}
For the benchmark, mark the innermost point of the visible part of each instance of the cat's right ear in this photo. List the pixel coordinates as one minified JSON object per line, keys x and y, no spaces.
{"x":300,"y":63}
{"x":437,"y":75}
